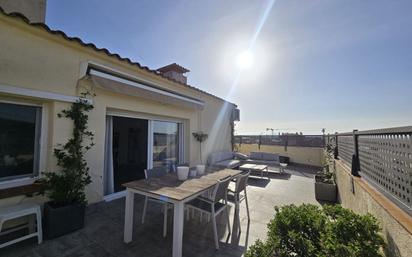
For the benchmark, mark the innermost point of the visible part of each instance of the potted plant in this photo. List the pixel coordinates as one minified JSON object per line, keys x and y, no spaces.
{"x":312,"y":231}
{"x":65,"y":188}
{"x":325,"y":186}
{"x":200,"y":137}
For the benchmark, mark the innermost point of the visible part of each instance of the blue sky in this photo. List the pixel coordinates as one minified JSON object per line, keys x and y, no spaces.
{"x":338,"y":65}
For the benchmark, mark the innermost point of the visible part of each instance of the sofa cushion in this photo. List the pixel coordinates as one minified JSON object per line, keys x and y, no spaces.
{"x":228,"y":164}
{"x":240,"y":156}
{"x":218,"y":157}
{"x":254,"y":161}
{"x":270,"y":157}
{"x":226,"y":155}
{"x":264,"y":156}
{"x":256,"y":155}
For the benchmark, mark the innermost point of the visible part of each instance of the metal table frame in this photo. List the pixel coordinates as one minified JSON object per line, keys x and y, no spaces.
{"x":178,"y":217}
{"x":252,"y":168}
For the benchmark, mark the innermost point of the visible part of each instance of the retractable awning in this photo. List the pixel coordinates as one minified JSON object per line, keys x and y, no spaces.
{"x":128,"y":86}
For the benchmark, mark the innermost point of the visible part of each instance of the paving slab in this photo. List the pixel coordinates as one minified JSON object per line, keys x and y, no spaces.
{"x":103,"y":231}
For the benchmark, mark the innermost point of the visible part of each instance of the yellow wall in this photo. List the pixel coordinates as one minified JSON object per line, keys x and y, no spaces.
{"x":302,"y":155}
{"x":396,"y":225}
{"x":32,"y":58}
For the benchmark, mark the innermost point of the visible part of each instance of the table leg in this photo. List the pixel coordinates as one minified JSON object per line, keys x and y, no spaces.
{"x":128,"y":217}
{"x":178,"y":219}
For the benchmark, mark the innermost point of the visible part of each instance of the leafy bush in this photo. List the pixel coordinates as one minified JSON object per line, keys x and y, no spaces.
{"x":310,"y":231}
{"x":67,"y":186}
{"x":326,"y":175}
{"x":350,"y":234}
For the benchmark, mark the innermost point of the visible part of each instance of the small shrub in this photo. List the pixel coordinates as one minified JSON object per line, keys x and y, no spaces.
{"x":297,"y":230}
{"x":311,"y":231}
{"x":351,"y":234}
{"x":68,"y":185}
{"x":261,"y":249}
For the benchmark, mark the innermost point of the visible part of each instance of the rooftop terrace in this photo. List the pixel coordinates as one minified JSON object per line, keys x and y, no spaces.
{"x":103,"y":232}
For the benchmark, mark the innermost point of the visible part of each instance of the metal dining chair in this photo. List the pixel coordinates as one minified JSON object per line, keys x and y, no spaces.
{"x":213,"y":205}
{"x":240,"y":187}
{"x":151,"y":173}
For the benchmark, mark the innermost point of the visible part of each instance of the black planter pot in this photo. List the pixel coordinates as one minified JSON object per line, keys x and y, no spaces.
{"x":326,"y":192}
{"x":59,"y":221}
{"x":284,"y":159}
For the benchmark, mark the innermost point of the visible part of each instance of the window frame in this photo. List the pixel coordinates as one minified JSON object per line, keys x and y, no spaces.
{"x":39,"y":149}
{"x":180,"y":134}
{"x":182,"y":124}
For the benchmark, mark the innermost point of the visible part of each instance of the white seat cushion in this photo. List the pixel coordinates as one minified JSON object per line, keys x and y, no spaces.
{"x":228,"y":164}
{"x":18,"y":210}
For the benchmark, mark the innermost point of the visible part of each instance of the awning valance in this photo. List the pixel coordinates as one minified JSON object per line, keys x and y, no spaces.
{"x":128,"y":86}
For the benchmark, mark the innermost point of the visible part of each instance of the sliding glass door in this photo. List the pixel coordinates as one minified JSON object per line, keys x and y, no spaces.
{"x":134,"y":144}
{"x":129,"y":150}
{"x":165,"y":143}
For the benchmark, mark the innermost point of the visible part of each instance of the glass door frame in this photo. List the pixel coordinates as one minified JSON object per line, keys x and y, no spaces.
{"x":151,"y":119}
{"x":150,"y":142}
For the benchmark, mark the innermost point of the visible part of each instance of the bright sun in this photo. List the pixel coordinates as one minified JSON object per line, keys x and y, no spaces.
{"x":245,"y":60}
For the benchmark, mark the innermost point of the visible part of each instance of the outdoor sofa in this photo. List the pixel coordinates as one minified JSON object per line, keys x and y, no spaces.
{"x":224,"y":159}
{"x":233,"y":160}
{"x":263,"y":158}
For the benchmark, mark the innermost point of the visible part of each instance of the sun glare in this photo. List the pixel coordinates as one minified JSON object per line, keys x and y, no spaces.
{"x":245,"y":60}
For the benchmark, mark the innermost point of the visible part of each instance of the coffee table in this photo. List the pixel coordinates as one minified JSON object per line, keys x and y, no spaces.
{"x":256,"y":168}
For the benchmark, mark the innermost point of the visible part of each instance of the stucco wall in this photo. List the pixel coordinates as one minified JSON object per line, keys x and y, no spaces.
{"x":302,"y":155}
{"x":394,"y":222}
{"x":32,"y":58}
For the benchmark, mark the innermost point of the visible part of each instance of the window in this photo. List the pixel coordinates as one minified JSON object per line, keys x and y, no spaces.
{"x":165,"y":143}
{"x":19,"y":141}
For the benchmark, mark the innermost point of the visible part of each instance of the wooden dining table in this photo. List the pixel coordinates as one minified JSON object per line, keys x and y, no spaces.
{"x":169,"y":189}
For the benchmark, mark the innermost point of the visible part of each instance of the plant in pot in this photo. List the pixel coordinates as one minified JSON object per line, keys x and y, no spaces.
{"x":200,"y":137}
{"x":65,"y":188}
{"x":325,"y":186}
{"x":311,"y":231}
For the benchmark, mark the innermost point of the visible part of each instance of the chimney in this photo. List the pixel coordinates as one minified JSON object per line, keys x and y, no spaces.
{"x":175,"y":72}
{"x":34,"y":10}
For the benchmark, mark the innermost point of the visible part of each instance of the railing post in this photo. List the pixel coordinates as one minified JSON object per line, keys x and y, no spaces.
{"x":336,"y":151}
{"x":355,"y":157}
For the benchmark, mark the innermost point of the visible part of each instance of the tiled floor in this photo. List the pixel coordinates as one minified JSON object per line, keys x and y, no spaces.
{"x":103,"y":232}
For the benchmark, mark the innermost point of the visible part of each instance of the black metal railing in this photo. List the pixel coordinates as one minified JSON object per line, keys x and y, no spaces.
{"x":383,"y":157}
{"x":282,"y":140}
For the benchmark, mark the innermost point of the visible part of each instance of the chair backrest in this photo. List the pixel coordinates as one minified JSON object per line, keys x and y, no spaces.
{"x":241,"y":182}
{"x":220,"y":191}
{"x":155,"y":172}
